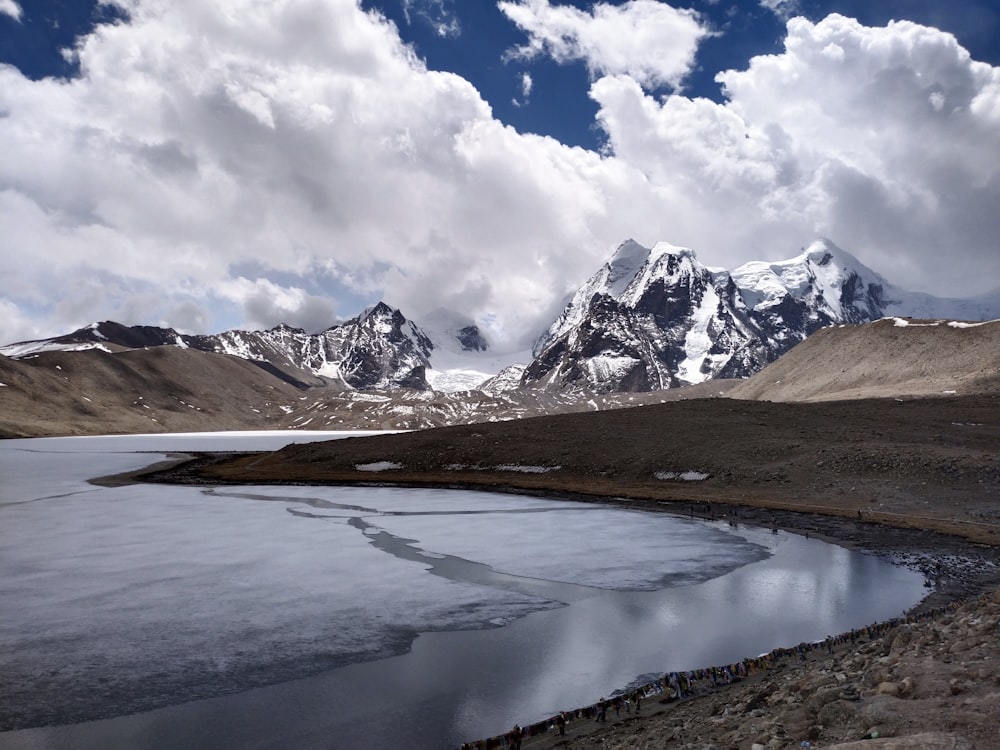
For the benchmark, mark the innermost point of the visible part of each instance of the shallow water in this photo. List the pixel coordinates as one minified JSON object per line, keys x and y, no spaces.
{"x":256,"y":616}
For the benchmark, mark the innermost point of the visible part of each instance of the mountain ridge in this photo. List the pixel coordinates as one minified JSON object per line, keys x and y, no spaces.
{"x":647,"y":319}
{"x":657,"y":318}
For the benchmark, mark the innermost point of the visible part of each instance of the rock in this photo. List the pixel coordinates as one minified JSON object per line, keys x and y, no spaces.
{"x":902,"y":639}
{"x":879,"y":711}
{"x":925,"y":741}
{"x":838,"y":712}
{"x":821,"y":698}
{"x":887,"y":688}
{"x":905,"y":687}
{"x":849,"y":693}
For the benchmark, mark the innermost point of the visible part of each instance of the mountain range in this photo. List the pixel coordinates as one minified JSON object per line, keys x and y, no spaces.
{"x":648,"y":319}
{"x":655,"y":318}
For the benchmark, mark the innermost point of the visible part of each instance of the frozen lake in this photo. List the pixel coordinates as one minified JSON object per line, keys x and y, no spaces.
{"x":150,"y":616}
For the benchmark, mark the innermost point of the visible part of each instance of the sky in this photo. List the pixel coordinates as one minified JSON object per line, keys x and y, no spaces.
{"x":242,"y":163}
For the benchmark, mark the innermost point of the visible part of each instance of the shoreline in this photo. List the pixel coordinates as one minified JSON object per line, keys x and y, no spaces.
{"x":927,"y":550}
{"x":960,"y":572}
{"x":663,"y":694}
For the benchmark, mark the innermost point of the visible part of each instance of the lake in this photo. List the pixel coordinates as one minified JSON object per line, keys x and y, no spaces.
{"x":152,"y":616}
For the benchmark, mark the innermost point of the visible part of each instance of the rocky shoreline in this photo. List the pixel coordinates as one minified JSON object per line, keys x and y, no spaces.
{"x":955,"y":568}
{"x":931,"y":682}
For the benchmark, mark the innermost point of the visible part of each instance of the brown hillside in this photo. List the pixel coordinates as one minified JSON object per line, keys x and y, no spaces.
{"x":156,"y":390}
{"x":883,"y":359}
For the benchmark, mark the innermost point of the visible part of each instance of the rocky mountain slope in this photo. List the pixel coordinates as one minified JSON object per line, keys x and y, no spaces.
{"x":378,"y":349}
{"x":657,"y":318}
{"x":649,"y":319}
{"x":170,"y":389}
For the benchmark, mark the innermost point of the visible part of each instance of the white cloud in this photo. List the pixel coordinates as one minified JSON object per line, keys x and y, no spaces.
{"x":885,"y":139}
{"x":244,"y":163}
{"x":265,"y":303}
{"x":650,"y":41}
{"x":302,"y":138}
{"x":784,"y":9}
{"x":10,"y":8}
{"x":438,"y":13}
{"x":526,"y":85}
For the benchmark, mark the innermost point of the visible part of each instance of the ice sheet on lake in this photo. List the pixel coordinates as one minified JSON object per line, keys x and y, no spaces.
{"x":121,"y":599}
{"x":574,"y":543}
{"x":146,"y":595}
{"x":167,"y":594}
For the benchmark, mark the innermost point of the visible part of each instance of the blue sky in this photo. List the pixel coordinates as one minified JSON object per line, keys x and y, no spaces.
{"x":244,"y":163}
{"x":472,"y":39}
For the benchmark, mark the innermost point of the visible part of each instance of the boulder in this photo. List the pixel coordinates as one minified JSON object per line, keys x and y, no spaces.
{"x":924,"y":741}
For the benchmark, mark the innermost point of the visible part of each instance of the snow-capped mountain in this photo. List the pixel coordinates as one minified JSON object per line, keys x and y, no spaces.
{"x":826,"y":285}
{"x":656,"y":317}
{"x":650,"y":318}
{"x":378,"y":349}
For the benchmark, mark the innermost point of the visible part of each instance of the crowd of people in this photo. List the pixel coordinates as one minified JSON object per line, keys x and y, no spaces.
{"x":673,"y":686}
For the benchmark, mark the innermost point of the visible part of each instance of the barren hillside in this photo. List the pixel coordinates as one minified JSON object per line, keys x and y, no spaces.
{"x":156,"y":390}
{"x":891,"y":357}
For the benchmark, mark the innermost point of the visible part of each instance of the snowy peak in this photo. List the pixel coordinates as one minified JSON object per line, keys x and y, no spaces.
{"x":105,"y":335}
{"x":832,"y":283}
{"x":628,"y":275}
{"x":650,"y":318}
{"x":378,"y":349}
{"x":620,"y":271}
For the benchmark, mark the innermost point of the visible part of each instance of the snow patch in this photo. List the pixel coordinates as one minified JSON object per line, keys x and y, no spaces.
{"x":697,"y":342}
{"x":453,"y":381}
{"x":527,"y":469}
{"x":379,"y":466}
{"x":964,"y":324}
{"x":684,"y":476}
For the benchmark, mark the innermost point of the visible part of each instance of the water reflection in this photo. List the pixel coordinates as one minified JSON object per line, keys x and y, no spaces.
{"x":127,"y":570}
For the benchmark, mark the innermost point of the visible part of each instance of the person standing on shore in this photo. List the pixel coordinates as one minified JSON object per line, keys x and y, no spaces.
{"x":514,"y":737}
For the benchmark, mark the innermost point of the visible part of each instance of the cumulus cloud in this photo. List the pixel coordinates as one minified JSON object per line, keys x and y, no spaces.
{"x":651,"y":42}
{"x":246,"y":163}
{"x":302,"y":137}
{"x":883,"y":138}
{"x":10,"y":8}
